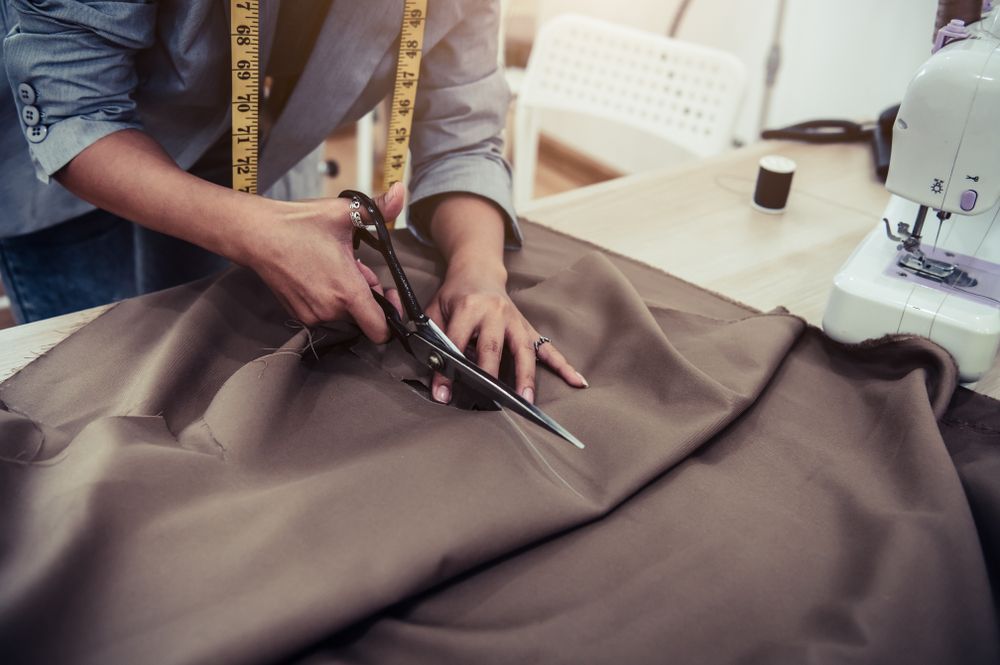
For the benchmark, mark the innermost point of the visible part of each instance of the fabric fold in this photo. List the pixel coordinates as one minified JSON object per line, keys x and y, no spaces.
{"x":227,"y":488}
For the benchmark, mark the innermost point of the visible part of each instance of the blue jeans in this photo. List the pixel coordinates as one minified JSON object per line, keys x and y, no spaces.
{"x":91,"y":260}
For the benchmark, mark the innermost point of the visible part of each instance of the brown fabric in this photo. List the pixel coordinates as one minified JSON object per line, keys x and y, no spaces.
{"x":189,"y":479}
{"x":971,"y":431}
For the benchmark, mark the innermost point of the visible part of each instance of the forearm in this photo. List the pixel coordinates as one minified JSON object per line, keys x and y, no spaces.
{"x":469,"y":233}
{"x":129,"y":174}
{"x":301,"y":250}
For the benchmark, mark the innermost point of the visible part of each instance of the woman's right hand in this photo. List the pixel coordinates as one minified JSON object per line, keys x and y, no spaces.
{"x":302,"y":249}
{"x":303,"y":252}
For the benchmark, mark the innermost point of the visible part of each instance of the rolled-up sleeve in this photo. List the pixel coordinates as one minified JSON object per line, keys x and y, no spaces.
{"x":78,"y":58}
{"x":461,"y":111}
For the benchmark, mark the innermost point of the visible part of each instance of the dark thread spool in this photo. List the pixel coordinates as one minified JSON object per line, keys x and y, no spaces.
{"x":774,"y":182}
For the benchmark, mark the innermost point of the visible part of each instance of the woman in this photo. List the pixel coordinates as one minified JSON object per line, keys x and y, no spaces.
{"x":125,"y":106}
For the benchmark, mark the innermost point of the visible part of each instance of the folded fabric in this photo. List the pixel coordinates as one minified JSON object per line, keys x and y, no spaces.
{"x":193,"y":479}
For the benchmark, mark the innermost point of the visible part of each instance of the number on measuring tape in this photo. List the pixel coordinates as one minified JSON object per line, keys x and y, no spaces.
{"x":244,"y":49}
{"x":245,"y":59}
{"x":404,"y":91}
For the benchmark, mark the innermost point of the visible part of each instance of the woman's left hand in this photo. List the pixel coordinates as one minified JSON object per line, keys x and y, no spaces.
{"x":472,"y":304}
{"x":473,"y":307}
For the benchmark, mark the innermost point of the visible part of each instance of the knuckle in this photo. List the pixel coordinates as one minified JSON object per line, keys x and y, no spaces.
{"x":466,"y":301}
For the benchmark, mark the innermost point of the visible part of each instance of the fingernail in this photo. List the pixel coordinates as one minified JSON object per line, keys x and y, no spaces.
{"x":529,"y":395}
{"x":442,"y":394}
{"x":585,"y":384}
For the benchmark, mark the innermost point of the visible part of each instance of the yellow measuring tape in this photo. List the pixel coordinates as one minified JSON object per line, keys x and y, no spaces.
{"x":404,"y":91}
{"x":245,"y":40}
{"x":245,"y":55}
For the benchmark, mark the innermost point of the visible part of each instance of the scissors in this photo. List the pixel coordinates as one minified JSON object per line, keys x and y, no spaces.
{"x":423,"y":339}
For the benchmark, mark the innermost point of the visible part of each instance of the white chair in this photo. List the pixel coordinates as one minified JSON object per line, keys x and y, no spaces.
{"x":684,"y":93}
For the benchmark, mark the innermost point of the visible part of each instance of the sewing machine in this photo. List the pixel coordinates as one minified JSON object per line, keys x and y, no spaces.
{"x":932,"y":266}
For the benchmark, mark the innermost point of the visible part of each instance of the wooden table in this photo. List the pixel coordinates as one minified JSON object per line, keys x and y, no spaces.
{"x":694,"y":221}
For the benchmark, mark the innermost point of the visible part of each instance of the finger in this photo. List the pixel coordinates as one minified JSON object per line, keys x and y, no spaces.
{"x":524,"y":366}
{"x":366,"y":312}
{"x":438,"y":381}
{"x":371,"y":278}
{"x":489,"y":347}
{"x":556,"y":361}
{"x":459,"y":330}
{"x":369,"y":275}
{"x":392,"y":295}
{"x":390,"y":203}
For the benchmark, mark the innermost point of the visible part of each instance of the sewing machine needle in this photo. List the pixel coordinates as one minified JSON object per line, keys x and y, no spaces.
{"x":942,"y":218}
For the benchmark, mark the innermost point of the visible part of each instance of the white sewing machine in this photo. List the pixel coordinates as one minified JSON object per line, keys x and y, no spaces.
{"x":940,"y":280}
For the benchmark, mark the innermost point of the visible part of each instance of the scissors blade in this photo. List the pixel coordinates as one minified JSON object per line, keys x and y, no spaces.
{"x":536,"y":415}
{"x":442,"y":338}
{"x":456,"y":366}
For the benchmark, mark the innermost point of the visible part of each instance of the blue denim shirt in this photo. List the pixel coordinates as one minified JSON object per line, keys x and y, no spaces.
{"x":97,"y":67}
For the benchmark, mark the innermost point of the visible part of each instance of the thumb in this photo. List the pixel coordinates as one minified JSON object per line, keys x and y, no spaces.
{"x":391,"y":201}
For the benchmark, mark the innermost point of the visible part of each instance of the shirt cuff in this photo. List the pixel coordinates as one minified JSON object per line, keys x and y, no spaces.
{"x":472,"y":175}
{"x":68,"y":138}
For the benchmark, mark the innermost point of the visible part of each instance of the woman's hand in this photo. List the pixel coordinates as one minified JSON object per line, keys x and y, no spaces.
{"x":472,"y":303}
{"x":474,"y":307}
{"x":303,"y":252}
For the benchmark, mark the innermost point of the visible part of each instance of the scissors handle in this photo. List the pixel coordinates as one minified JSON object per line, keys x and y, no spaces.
{"x":409,"y":299}
{"x":383,"y":245}
{"x":392,"y":318}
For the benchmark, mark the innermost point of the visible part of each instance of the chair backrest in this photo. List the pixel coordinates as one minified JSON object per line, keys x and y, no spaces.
{"x":685,"y":93}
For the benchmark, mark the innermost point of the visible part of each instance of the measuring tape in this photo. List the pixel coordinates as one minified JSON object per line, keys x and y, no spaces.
{"x":245,"y":40}
{"x":404,"y":91}
{"x":245,"y":55}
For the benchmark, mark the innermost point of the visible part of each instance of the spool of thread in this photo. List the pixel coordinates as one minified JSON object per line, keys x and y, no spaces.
{"x":774,"y":182}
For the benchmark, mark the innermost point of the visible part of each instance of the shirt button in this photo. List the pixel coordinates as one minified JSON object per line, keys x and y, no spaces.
{"x":26,"y":94}
{"x":30,"y":115}
{"x":37,"y":133}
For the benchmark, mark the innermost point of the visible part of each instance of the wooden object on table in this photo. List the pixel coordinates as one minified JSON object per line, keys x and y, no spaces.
{"x":696,"y":222}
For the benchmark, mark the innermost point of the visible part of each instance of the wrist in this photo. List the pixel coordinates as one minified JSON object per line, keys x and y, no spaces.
{"x":246,"y":226}
{"x":477,"y":265}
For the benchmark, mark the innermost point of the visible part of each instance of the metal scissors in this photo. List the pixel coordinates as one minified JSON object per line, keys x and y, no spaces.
{"x":423,"y":339}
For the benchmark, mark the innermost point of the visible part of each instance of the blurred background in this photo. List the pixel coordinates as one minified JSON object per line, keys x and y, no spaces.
{"x":846,"y":59}
{"x":804,"y":60}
